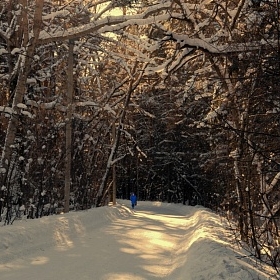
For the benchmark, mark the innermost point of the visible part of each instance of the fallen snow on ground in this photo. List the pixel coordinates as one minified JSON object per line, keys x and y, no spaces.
{"x":156,"y":241}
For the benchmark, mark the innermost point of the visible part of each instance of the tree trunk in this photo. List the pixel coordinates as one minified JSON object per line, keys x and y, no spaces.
{"x":132,"y":86}
{"x":114,"y":193}
{"x":29,"y":44}
{"x":68,"y":157}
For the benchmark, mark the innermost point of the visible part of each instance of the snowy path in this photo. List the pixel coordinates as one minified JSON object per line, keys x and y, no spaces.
{"x":157,"y":241}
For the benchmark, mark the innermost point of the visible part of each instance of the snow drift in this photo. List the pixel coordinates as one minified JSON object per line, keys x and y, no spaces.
{"x":156,"y":241}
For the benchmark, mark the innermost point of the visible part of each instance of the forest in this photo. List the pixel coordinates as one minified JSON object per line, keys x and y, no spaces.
{"x":177,"y":101}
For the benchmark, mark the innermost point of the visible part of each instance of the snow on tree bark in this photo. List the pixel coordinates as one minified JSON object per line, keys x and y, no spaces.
{"x":29,"y":44}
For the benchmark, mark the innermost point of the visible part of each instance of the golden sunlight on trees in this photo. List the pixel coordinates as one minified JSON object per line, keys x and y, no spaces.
{"x":190,"y":86}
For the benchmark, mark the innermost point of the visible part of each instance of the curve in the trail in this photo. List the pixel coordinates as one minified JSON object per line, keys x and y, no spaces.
{"x":155,"y":241}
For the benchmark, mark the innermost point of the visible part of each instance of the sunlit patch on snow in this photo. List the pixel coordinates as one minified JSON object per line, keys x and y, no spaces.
{"x":39,"y":260}
{"x":157,"y":269}
{"x":63,"y":242}
{"x":112,"y":243}
{"x":129,"y":250}
{"x":199,"y":227}
{"x":148,"y":239}
{"x":61,"y":235}
{"x":10,"y":266}
{"x":169,"y":220}
{"x":79,"y":228}
{"x":157,"y":203}
{"x":163,"y":242}
{"x":122,"y":276}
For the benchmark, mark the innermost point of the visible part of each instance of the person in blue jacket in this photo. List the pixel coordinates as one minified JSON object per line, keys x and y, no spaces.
{"x":133,"y":200}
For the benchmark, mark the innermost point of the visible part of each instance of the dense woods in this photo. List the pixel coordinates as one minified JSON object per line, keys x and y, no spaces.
{"x":176,"y":101}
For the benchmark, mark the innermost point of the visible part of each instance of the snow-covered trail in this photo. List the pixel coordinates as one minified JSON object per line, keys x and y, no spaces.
{"x":156,"y":241}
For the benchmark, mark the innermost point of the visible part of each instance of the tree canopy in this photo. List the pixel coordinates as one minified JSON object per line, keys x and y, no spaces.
{"x":174,"y":100}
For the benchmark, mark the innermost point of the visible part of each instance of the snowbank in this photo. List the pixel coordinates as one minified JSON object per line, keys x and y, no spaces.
{"x":156,"y":241}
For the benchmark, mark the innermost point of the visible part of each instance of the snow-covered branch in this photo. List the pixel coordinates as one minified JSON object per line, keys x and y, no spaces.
{"x":105,"y":23}
{"x":186,"y":42}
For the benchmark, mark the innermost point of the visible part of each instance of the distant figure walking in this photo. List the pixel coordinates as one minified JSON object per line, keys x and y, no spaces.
{"x":133,"y":199}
